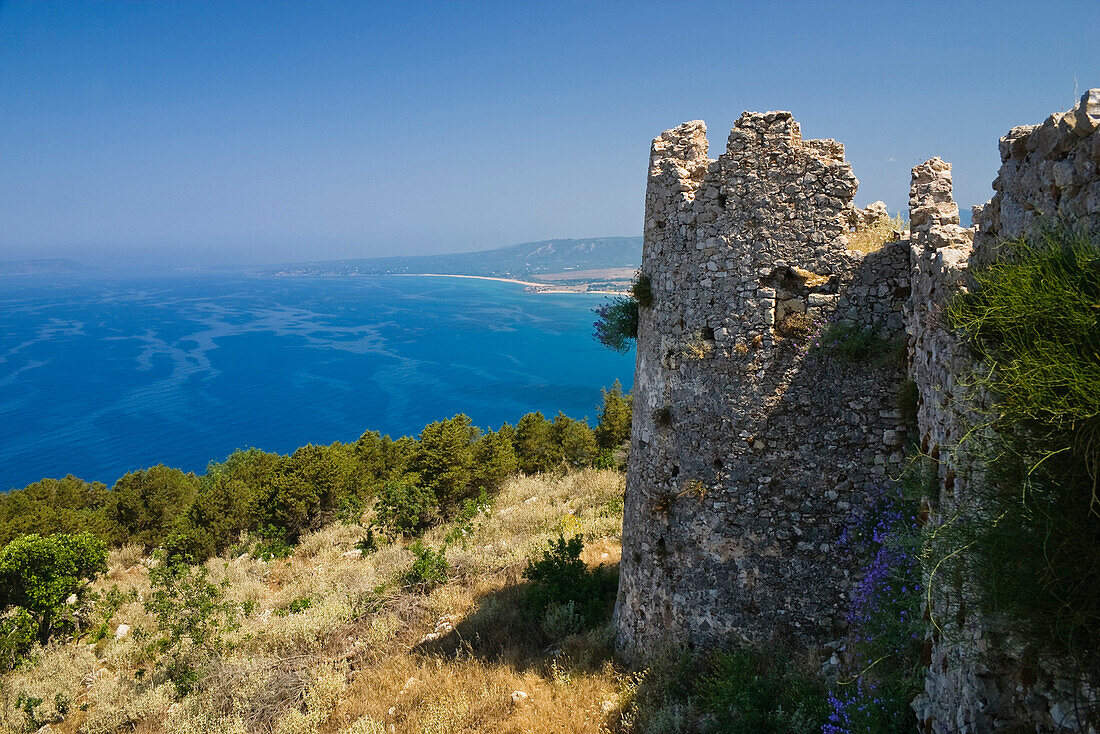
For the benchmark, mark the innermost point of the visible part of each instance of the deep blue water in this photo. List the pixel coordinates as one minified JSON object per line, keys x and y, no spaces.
{"x":100,"y":376}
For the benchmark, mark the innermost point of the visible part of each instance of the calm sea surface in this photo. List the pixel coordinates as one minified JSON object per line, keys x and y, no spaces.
{"x":99,"y":376}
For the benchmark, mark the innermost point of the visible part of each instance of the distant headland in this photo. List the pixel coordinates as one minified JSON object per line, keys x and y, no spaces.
{"x":591,"y":265}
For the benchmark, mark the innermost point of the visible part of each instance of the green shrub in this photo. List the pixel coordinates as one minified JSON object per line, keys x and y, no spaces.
{"x":39,"y":574}
{"x":192,"y":619}
{"x":560,"y":577}
{"x":368,"y":544}
{"x":616,"y":325}
{"x":351,"y":509}
{"x":464,"y":520}
{"x":444,"y":460}
{"x":429,"y":569}
{"x":535,"y":447}
{"x":188,"y":544}
{"x":1033,"y":317}
{"x":230,"y":494}
{"x":574,"y":441}
{"x":144,"y":505}
{"x":642,"y":290}
{"x":272,"y":544}
{"x":494,"y":459}
{"x":561,"y":620}
{"x":407,"y":509}
{"x":18,"y":633}
{"x":306,"y":488}
{"x":750,"y":691}
{"x":54,"y":506}
{"x":746,"y":690}
{"x":605,"y":459}
{"x":295,"y":606}
{"x":107,"y":605}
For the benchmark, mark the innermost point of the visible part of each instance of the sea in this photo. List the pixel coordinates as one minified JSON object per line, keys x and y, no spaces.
{"x":101,"y":375}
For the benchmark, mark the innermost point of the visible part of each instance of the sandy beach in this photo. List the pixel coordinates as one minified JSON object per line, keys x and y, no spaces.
{"x":532,"y":286}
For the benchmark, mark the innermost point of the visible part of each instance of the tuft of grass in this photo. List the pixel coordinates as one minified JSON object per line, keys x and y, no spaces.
{"x":1035,"y":318}
{"x":852,"y":344}
{"x":795,"y":326}
{"x":873,"y":237}
{"x":698,"y":346}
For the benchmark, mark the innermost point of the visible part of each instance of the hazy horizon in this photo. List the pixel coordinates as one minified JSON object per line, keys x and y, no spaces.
{"x":213,"y":134}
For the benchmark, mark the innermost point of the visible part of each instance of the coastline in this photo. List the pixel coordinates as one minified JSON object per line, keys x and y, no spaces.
{"x":530,"y":286}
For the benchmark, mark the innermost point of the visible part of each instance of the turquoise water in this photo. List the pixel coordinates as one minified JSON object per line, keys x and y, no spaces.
{"x":101,"y":376}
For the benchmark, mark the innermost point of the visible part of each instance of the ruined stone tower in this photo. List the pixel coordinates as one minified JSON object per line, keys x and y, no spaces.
{"x":751,"y":446}
{"x":748,"y":455}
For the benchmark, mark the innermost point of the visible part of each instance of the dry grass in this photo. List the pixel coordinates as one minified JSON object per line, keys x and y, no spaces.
{"x":697,"y":347}
{"x":872,"y":237}
{"x":356,"y":659}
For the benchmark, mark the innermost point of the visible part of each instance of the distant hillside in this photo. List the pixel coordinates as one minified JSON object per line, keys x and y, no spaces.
{"x":515,"y":261}
{"x":39,"y":267}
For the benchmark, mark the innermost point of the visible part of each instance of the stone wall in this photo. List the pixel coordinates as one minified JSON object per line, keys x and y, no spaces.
{"x":748,"y":454}
{"x":1046,"y":170}
{"x":749,"y":449}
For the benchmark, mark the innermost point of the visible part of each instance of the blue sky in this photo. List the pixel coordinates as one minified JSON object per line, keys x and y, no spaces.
{"x":187,"y":133}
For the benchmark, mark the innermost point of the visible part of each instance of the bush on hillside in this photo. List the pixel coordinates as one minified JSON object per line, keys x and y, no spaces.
{"x":561,"y":577}
{"x":444,"y":459}
{"x":38,"y":574}
{"x":745,"y":690}
{"x":306,"y":489}
{"x":494,"y":459}
{"x":144,"y":505}
{"x":192,"y":619}
{"x":429,"y":569}
{"x":18,"y":633}
{"x":573,"y":441}
{"x":616,"y":413}
{"x":227,"y":504}
{"x":53,"y":506}
{"x":404,"y":508}
{"x":535,"y":449}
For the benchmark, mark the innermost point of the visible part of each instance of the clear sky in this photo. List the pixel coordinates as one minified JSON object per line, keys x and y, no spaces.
{"x":241,"y":132}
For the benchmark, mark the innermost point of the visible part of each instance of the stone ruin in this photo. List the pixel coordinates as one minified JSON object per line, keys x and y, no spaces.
{"x":750,"y":451}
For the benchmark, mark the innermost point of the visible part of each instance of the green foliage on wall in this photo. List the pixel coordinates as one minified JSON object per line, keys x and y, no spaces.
{"x":1029,"y":531}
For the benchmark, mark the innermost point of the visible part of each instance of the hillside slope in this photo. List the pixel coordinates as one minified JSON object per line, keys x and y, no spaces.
{"x":334,"y":640}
